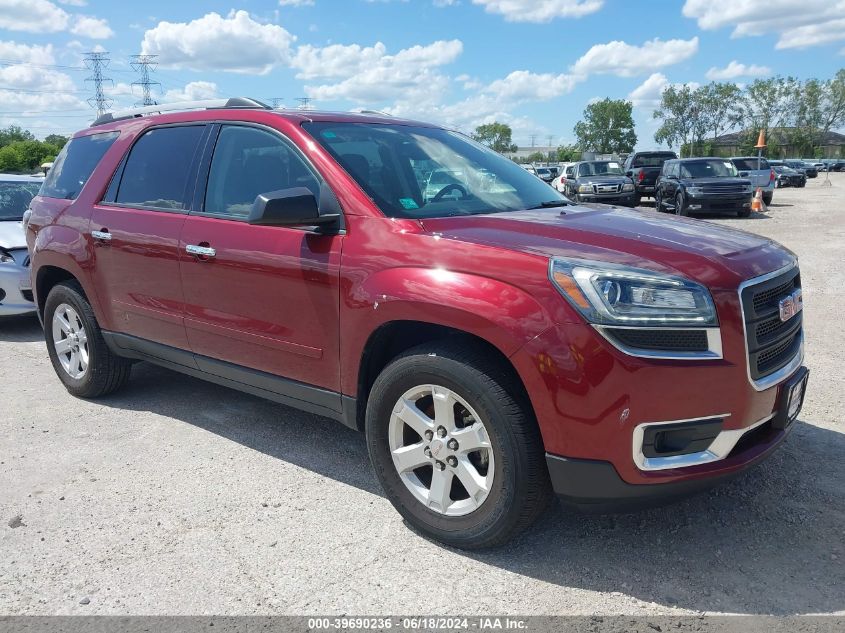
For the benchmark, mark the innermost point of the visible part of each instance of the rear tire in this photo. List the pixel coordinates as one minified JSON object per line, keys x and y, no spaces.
{"x":474,"y":393}
{"x":80,"y":356}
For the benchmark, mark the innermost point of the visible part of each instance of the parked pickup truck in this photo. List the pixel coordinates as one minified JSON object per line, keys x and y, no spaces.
{"x":644,"y":168}
{"x":495,"y":342}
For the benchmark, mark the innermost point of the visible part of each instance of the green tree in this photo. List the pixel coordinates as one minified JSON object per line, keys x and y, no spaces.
{"x":56,"y":140}
{"x":12,"y":158}
{"x":14,"y":133}
{"x":719,"y":104}
{"x":678,"y":114}
{"x":535,"y":157}
{"x":497,"y":136}
{"x":607,"y":127}
{"x":568,"y":153}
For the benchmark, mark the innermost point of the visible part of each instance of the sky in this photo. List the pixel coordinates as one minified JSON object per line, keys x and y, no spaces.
{"x":534,"y":64}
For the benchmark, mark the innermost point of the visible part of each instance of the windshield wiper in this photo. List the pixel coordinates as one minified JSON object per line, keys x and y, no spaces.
{"x":548,"y":204}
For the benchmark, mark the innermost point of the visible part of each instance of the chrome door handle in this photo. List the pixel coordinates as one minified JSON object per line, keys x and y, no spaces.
{"x":203,"y":251}
{"x":101,"y":235}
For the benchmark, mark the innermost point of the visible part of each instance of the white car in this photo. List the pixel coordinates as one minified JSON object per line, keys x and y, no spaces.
{"x":15,"y":287}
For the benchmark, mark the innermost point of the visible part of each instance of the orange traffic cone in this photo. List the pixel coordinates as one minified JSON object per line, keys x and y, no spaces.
{"x":757,"y":203}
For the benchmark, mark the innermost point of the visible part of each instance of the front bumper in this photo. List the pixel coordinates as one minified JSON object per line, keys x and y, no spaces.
{"x":625,"y":199}
{"x":716,"y":204}
{"x":15,"y":290}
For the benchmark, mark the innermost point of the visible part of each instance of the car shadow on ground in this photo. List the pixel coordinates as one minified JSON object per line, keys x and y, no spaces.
{"x":753,"y":546}
{"x":20,"y":329}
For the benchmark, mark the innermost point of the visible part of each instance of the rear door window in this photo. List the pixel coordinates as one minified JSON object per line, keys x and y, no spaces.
{"x":750,"y":164}
{"x":75,"y":164}
{"x":157,"y":170}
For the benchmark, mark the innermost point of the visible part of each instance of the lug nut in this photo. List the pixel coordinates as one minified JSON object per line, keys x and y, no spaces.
{"x":452,"y":461}
{"x":427,"y":451}
{"x":452,"y":444}
{"x":440,"y":465}
{"x":441,"y":432}
{"x":429,"y":435}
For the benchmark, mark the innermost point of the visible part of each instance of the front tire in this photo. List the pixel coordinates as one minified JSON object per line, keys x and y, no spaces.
{"x":80,"y":356}
{"x":680,"y":208}
{"x":658,"y":201}
{"x":456,"y":447}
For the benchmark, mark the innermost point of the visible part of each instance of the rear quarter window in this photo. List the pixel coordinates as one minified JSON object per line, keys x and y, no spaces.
{"x":75,"y":164}
{"x":750,"y":164}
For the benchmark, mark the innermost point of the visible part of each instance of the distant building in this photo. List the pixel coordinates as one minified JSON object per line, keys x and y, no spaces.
{"x":832,"y":144}
{"x":525,"y":152}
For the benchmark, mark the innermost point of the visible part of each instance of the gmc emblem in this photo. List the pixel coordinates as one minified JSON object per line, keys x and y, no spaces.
{"x":791,"y":305}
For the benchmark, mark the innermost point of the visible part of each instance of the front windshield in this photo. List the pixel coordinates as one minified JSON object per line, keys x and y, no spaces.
{"x":708,"y":169}
{"x":15,"y":198}
{"x":421,"y":172}
{"x":603,"y":168}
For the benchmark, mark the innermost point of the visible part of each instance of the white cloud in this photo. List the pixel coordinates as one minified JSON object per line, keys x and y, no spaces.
{"x":236,"y":43}
{"x":522,"y":85}
{"x":648,"y":93}
{"x":626,"y":60}
{"x":74,"y":3}
{"x":444,"y":3}
{"x":540,"y":10}
{"x":87,"y":26}
{"x":193,"y":91}
{"x":33,"y":16}
{"x":27,"y":54}
{"x":810,"y":23}
{"x":296,"y":3}
{"x":734,"y":69}
{"x":37,"y":89}
{"x":369,"y":75}
{"x":42,"y":16}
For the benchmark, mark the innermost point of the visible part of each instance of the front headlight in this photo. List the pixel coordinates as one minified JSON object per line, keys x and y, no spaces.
{"x":6,"y":258}
{"x":612,"y":294}
{"x":585,"y":189}
{"x":628,"y":186}
{"x":695,"y":191}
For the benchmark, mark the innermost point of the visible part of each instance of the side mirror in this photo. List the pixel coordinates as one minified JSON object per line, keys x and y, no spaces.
{"x":289,"y":207}
{"x":743,"y":174}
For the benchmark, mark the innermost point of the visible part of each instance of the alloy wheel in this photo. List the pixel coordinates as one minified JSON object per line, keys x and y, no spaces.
{"x":441,"y":450}
{"x":70,"y":341}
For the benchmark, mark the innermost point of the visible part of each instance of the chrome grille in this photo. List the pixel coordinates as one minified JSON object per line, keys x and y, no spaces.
{"x":772,"y":344}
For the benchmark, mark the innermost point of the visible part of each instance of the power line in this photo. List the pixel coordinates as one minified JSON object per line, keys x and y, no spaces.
{"x":52,"y":92}
{"x":98,"y":62}
{"x":143,"y":64}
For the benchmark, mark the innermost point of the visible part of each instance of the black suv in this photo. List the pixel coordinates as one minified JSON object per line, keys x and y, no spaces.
{"x":708,"y":185}
{"x":644,"y":168}
{"x":599,"y":181}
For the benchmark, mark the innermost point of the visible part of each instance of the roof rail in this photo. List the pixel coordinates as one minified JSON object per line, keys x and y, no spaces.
{"x":378,"y":112}
{"x":182,"y":106}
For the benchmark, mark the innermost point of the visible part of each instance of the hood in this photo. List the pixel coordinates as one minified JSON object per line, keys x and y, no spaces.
{"x":12,"y":235}
{"x":700,"y":250}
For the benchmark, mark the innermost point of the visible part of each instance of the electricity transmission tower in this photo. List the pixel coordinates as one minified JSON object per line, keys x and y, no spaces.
{"x":304,"y":102}
{"x":144,"y":64}
{"x":278,"y":102}
{"x":97,"y":62}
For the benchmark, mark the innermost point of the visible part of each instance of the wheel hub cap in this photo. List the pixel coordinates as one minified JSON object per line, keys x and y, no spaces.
{"x":70,"y":341}
{"x":441,"y":450}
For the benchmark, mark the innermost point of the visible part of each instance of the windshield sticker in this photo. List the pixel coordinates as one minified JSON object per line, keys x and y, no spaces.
{"x":409,"y":203}
{"x":728,"y":164}
{"x":613,"y":165}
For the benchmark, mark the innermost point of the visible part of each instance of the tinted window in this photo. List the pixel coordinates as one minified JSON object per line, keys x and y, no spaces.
{"x":707,"y":169}
{"x":603,"y":168}
{"x":248,"y":162}
{"x":651,"y":160}
{"x":750,"y":164}
{"x":156,"y":172}
{"x":75,"y":164}
{"x":15,"y":197}
{"x":393,"y":164}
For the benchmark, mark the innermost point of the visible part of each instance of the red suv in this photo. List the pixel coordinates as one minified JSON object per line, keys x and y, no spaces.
{"x":495,"y":342}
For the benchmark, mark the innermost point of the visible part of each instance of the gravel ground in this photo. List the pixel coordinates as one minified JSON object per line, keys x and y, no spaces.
{"x":180,"y":497}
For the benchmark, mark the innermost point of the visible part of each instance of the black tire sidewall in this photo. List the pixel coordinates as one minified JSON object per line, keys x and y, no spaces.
{"x":411,"y":371}
{"x":65,"y":294}
{"x":679,"y":204}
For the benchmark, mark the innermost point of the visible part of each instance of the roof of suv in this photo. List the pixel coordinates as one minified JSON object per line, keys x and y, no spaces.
{"x":120,"y":120}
